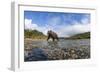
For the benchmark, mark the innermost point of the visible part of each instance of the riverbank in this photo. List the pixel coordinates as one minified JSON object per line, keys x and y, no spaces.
{"x":30,"y":39}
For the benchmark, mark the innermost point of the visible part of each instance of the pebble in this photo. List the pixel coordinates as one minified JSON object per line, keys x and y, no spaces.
{"x":55,"y":53}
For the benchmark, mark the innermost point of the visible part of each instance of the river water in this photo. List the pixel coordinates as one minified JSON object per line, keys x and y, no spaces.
{"x":63,"y":43}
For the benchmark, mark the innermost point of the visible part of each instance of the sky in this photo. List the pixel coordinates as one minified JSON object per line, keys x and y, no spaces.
{"x":64,"y":24}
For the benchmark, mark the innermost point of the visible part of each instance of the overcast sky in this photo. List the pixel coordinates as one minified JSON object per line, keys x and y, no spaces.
{"x":64,"y":24}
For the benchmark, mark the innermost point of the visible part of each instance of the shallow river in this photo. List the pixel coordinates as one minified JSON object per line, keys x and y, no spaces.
{"x":38,"y":52}
{"x":63,"y":43}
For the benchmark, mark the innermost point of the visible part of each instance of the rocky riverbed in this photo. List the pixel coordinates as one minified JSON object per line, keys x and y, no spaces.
{"x":43,"y":50}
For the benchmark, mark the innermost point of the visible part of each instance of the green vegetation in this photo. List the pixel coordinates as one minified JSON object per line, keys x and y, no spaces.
{"x":34,"y":34}
{"x":85,"y":35}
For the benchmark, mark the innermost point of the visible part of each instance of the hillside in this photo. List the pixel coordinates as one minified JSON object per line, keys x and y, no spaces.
{"x":34,"y":34}
{"x":85,"y":35}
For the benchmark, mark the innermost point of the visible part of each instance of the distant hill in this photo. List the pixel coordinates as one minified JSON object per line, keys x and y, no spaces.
{"x":34,"y":34}
{"x":85,"y":35}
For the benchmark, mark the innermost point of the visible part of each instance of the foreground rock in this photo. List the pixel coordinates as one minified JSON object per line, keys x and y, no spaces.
{"x":40,"y":54}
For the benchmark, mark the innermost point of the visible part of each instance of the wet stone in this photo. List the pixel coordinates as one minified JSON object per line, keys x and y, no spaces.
{"x":52,"y":51}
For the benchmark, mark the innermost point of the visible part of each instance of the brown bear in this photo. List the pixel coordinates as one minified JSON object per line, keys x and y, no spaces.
{"x":52,"y":35}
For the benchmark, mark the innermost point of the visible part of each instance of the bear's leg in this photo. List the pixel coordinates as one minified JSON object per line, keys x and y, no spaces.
{"x":48,"y":38}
